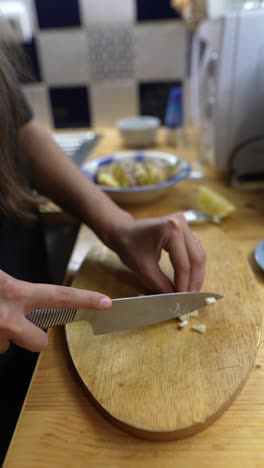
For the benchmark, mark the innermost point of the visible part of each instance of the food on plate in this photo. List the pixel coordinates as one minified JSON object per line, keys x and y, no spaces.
{"x":213,"y":204}
{"x":201,"y":328}
{"x":131,"y":173}
{"x":107,"y":179}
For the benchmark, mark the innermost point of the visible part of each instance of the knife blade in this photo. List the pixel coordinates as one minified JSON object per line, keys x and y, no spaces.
{"x":126,"y":313}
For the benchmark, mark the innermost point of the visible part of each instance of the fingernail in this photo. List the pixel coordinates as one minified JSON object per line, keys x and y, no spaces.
{"x":105,"y":302}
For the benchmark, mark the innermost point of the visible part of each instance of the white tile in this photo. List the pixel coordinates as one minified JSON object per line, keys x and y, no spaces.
{"x":105,"y":11}
{"x":160,"y":51}
{"x":37,"y":97}
{"x":111,"y":101}
{"x":64,"y":56}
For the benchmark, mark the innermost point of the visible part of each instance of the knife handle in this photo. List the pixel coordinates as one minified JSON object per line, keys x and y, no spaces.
{"x":46,"y":318}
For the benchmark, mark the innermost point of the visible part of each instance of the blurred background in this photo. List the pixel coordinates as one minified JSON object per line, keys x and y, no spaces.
{"x":96,"y":61}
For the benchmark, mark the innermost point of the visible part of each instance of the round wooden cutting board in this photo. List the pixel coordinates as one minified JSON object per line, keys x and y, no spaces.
{"x":162,"y":382}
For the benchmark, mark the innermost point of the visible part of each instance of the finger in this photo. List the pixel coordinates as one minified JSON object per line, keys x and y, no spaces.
{"x":47,"y":295}
{"x":196,"y":258}
{"x":28,"y":336}
{"x":4,"y":343}
{"x":174,"y":244}
{"x":154,"y":278}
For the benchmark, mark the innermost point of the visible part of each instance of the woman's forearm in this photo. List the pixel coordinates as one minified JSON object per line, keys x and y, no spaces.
{"x":57,"y":177}
{"x":138,"y":243}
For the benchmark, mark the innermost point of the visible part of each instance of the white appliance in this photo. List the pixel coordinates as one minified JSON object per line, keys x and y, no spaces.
{"x":227,"y":94}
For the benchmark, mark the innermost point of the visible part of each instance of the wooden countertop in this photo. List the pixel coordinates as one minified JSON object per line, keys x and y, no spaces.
{"x":60,"y":427}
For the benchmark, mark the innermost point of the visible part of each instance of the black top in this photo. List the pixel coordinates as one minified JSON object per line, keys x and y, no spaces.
{"x":22,"y":255}
{"x":22,"y":245}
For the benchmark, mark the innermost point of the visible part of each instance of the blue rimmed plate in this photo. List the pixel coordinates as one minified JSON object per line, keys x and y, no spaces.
{"x":138,"y":194}
{"x":259,"y":254}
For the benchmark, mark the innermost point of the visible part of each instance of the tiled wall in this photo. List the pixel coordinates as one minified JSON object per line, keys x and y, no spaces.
{"x":96,"y":61}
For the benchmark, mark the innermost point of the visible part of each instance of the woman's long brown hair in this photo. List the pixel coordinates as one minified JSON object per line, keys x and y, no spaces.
{"x":16,"y":200}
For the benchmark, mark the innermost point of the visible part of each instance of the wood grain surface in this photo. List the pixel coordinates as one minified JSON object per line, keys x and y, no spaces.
{"x":162,"y":382}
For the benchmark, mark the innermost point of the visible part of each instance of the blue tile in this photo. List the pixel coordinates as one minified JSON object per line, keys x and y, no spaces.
{"x":70,"y":107}
{"x":153,"y":97}
{"x":58,"y":13}
{"x":33,"y":71}
{"x":149,"y":10}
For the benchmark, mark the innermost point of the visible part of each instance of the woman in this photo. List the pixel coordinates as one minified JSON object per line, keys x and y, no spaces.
{"x":29,"y":158}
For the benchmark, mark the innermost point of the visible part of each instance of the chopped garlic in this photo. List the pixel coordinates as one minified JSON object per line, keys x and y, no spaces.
{"x":193,"y":314}
{"x":201,"y":328}
{"x":199,"y":421}
{"x":187,"y":316}
{"x":210,"y":300}
{"x":183,"y":323}
{"x":183,"y":317}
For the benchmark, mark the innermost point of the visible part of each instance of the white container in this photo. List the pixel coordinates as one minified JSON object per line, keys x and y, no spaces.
{"x":138,"y":131}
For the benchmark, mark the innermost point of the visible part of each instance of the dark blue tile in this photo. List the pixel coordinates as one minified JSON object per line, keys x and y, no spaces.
{"x":149,"y":10}
{"x":153,"y":97}
{"x":32,"y":68}
{"x":70,"y":107}
{"x":57,"y":13}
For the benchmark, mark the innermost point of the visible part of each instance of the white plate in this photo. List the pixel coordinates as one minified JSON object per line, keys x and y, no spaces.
{"x":138,"y":194}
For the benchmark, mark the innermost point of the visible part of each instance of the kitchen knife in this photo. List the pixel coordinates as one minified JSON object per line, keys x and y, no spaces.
{"x":126,"y":313}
